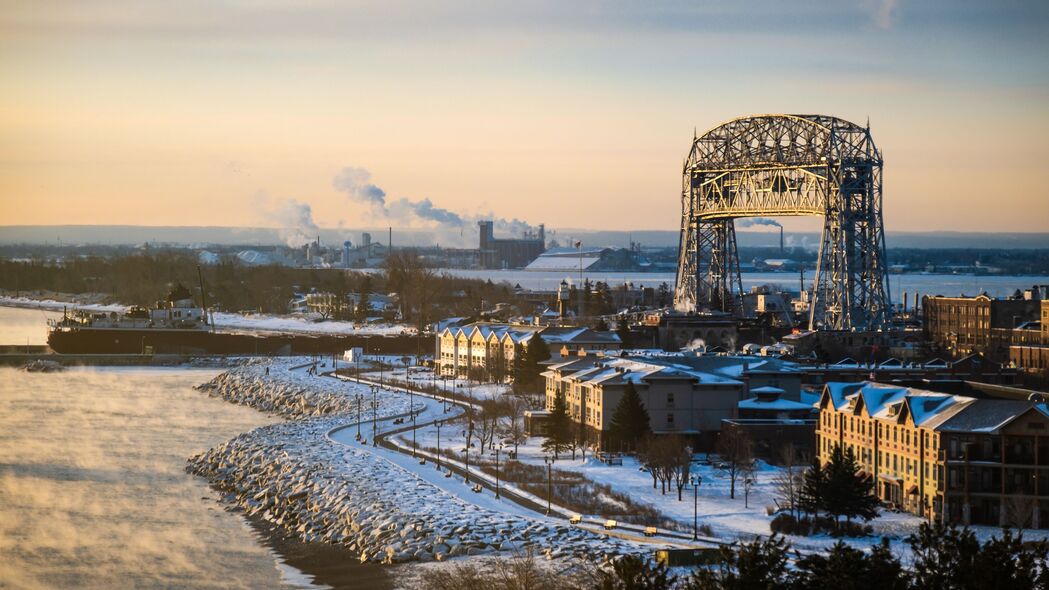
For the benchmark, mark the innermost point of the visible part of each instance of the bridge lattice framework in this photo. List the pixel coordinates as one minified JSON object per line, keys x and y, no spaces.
{"x":786,"y":165}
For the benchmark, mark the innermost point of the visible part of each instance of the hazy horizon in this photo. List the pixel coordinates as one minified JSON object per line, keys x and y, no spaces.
{"x":263,"y":236}
{"x":440,"y":113}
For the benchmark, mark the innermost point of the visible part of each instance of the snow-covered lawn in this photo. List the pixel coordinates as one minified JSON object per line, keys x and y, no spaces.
{"x":424,"y":377}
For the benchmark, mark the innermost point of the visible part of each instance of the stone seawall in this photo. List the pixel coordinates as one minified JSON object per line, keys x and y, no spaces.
{"x":292,"y":475}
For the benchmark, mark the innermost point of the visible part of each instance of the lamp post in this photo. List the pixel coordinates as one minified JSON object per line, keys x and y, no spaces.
{"x":696,"y":480}
{"x":439,"y":444}
{"x":497,"y":449}
{"x":359,"y":398}
{"x":411,"y":399}
{"x":549,"y":481}
{"x":444,"y":391}
{"x":359,"y":368}
{"x":746,"y":491}
{"x":375,"y":409}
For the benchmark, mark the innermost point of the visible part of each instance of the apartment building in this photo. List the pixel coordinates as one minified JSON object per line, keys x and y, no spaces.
{"x":966,"y":325}
{"x":679,"y":399}
{"x":945,"y":457}
{"x":491,"y":349}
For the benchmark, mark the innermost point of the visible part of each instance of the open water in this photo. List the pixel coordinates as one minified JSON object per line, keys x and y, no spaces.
{"x":93,"y":488}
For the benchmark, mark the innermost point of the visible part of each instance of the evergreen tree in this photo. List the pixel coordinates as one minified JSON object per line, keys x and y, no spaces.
{"x":760,"y":564}
{"x":847,"y":568}
{"x":364,"y":306}
{"x":632,"y":572}
{"x":847,"y":493}
{"x":943,"y":556}
{"x":623,"y":331}
{"x":529,"y":376}
{"x":559,"y":427}
{"x":810,"y":500}
{"x":630,"y":420}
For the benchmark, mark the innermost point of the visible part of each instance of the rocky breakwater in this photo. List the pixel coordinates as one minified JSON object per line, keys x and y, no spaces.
{"x":292,"y":475}
{"x":272,"y":386}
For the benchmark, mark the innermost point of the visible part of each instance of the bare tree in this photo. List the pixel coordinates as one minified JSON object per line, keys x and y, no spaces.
{"x":736,"y":454}
{"x":1019,"y":511}
{"x":515,"y":426}
{"x":663,"y":456}
{"x":788,"y":482}
{"x":682,"y":467}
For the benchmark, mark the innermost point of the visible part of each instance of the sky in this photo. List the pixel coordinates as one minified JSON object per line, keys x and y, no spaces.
{"x":573,"y":114}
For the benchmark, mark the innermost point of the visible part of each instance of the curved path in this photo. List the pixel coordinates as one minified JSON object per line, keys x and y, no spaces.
{"x":517,"y":502}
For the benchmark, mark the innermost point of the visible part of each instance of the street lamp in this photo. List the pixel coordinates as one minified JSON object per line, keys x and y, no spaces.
{"x":359,"y":398}
{"x":439,"y":422}
{"x":499,"y":448}
{"x":746,"y":491}
{"x":696,"y":480}
{"x":549,"y":481}
{"x":375,"y":409}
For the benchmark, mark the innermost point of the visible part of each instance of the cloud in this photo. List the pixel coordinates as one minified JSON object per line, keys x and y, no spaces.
{"x":883,"y":12}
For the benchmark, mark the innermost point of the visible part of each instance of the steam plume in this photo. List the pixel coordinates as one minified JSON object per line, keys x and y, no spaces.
{"x":451,"y":227}
{"x":749,"y":221}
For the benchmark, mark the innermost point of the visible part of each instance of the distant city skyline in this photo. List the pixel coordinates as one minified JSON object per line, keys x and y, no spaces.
{"x":350,"y":114}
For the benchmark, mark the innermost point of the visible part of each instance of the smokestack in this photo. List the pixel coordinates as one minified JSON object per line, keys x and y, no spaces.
{"x":904,"y":302}
{"x":391,"y":240}
{"x":781,"y":240}
{"x":917,"y":310}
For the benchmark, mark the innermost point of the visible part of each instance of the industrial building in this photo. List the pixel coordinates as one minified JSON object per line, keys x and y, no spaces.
{"x":509,"y":252}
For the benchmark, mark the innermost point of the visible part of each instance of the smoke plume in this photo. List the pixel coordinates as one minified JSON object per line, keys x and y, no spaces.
{"x":354,"y":182}
{"x":295,"y":218}
{"x":750,"y":221}
{"x":452,"y":228}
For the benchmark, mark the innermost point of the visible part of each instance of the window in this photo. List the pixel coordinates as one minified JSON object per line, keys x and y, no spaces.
{"x":670,"y":418}
{"x":670,"y":398}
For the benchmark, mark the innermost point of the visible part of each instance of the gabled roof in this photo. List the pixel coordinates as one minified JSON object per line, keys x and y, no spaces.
{"x":990,"y":415}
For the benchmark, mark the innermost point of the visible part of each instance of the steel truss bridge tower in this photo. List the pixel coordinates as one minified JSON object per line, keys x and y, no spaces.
{"x":786,"y":165}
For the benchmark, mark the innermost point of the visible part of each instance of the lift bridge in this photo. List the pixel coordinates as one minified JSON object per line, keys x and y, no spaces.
{"x":786,"y":165}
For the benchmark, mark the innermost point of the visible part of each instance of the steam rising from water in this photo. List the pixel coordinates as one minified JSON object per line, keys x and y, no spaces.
{"x":92,"y":487}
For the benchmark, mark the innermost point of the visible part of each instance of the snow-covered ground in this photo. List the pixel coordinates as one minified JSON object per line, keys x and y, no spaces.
{"x":266,"y":323}
{"x":315,"y":478}
{"x":425,"y":377}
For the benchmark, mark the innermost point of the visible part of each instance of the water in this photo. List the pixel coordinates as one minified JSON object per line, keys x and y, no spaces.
{"x":25,"y":326}
{"x":94,"y":493}
{"x":995,"y":286}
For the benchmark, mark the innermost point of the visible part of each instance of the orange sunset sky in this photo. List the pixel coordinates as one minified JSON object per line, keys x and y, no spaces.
{"x":576,"y":114}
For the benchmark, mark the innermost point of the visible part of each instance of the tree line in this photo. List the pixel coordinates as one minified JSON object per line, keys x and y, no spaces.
{"x":144,"y":277}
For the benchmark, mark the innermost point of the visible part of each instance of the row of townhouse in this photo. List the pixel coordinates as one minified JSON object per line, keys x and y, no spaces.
{"x":493,"y":348}
{"x":948,"y":458}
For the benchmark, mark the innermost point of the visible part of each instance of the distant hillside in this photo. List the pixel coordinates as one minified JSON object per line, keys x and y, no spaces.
{"x":133,"y":234}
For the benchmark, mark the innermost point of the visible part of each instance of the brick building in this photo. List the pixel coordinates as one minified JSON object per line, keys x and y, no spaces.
{"x":945,"y":457}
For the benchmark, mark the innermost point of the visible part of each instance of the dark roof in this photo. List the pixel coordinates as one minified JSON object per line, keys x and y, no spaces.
{"x":988,"y":415}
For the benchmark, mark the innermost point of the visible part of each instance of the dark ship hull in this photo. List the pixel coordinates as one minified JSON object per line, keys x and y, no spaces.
{"x":201,"y":342}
